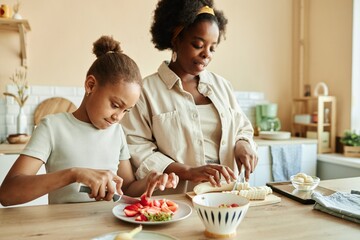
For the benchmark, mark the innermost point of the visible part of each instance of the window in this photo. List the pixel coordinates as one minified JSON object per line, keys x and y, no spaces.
{"x":355,"y":86}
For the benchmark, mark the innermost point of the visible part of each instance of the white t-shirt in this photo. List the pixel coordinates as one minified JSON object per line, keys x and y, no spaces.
{"x":61,"y":141}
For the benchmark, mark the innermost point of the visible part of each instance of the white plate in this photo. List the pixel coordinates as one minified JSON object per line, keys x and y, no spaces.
{"x":148,"y":235}
{"x":183,"y":212}
{"x":274,"y":135}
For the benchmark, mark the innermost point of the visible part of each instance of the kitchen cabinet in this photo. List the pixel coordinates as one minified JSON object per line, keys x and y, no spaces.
{"x":21,"y":26}
{"x":6,"y":161}
{"x":263,"y":170}
{"x":322,"y":124}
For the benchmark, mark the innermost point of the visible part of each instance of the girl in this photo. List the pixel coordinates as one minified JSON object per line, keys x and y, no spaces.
{"x":87,"y":146}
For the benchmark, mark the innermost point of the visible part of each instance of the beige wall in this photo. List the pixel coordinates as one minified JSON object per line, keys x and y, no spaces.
{"x":256,"y":56}
{"x":330,"y":46}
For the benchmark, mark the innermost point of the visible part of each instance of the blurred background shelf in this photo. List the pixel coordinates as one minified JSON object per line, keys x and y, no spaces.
{"x":322,"y":127}
{"x":21,"y":26}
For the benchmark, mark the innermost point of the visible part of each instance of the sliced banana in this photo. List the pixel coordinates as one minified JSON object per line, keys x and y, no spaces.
{"x":243,"y":189}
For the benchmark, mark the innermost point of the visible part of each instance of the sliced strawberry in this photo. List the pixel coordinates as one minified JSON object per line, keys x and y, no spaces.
{"x":130,"y":213}
{"x":234,"y":205}
{"x":156,"y":203}
{"x":173,"y":208}
{"x":145,"y":201}
{"x":165,"y":208}
{"x":170,"y":203}
{"x":141,"y":218}
{"x":132,"y":207}
{"x":153,"y":210}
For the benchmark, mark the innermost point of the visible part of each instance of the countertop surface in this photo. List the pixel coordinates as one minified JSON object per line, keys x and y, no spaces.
{"x":281,"y":221}
{"x":6,"y":148}
{"x":292,"y":140}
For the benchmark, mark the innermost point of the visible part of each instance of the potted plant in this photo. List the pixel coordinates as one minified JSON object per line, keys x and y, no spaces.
{"x":351,"y":142}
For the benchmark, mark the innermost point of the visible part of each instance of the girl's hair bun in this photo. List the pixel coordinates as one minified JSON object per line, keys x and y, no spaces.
{"x":104,"y":45}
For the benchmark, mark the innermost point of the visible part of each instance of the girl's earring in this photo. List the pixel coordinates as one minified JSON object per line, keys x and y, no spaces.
{"x":174,"y":57}
{"x":87,"y":94}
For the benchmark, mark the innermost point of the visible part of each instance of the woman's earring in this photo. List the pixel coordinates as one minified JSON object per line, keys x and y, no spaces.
{"x":87,"y":94}
{"x":174,"y":56}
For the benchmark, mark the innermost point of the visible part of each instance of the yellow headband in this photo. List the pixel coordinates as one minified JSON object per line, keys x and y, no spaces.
{"x":204,"y":9}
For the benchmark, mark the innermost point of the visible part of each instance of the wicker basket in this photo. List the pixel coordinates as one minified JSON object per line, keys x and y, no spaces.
{"x":350,"y":151}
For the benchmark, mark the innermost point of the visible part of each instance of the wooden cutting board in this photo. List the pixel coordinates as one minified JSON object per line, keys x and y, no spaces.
{"x":269,"y":199}
{"x":51,"y":106}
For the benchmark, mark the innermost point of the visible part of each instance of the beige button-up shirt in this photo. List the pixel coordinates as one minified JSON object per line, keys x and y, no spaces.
{"x":164,"y":126}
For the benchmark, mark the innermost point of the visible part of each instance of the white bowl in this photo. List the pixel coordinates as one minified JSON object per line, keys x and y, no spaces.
{"x":305,"y":186}
{"x":220,"y":222}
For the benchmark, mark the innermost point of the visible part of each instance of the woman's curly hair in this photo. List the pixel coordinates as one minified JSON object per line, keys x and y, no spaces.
{"x":170,"y":14}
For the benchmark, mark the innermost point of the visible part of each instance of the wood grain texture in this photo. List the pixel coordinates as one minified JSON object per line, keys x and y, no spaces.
{"x":282,"y":221}
{"x":51,"y":106}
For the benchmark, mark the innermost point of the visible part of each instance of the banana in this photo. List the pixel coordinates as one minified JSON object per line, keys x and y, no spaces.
{"x":207,"y":187}
{"x":243,"y":189}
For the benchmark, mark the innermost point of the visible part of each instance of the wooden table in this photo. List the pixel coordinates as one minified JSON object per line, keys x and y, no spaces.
{"x":286,"y":220}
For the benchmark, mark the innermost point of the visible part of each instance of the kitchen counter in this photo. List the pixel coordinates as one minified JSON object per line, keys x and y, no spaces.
{"x":285,"y":220}
{"x":292,"y":140}
{"x":6,"y":148}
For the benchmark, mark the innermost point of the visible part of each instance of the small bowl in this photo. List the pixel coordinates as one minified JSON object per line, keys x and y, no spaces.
{"x":220,"y":222}
{"x":18,"y":138}
{"x":305,"y":186}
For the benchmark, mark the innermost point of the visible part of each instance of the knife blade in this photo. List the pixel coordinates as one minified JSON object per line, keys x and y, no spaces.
{"x":116,"y":197}
{"x":240,"y":178}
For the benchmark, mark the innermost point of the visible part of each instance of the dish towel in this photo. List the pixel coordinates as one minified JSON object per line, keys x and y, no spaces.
{"x":286,"y":161}
{"x":340,"y":204}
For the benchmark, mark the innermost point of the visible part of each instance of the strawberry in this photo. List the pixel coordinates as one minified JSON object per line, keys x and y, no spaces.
{"x":132,"y":207}
{"x":144,"y":200}
{"x":153,"y":210}
{"x":130,"y":213}
{"x":172,"y":206}
{"x":156,"y":203}
{"x":141,"y":218}
{"x":165,"y":208}
{"x":234,"y":205}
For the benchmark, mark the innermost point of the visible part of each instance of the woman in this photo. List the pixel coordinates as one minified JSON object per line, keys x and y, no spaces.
{"x":187,"y":119}
{"x":87,"y":146}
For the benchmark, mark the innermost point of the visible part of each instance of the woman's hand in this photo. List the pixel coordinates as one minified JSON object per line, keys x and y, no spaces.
{"x":101,"y":182}
{"x":245,"y":156}
{"x":211,"y":173}
{"x":162,"y":181}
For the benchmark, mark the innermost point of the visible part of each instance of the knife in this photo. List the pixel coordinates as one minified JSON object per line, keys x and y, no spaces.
{"x":116,"y":197}
{"x":240,"y":178}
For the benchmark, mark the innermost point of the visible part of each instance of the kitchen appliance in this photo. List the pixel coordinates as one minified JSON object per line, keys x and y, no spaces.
{"x":266,"y":117}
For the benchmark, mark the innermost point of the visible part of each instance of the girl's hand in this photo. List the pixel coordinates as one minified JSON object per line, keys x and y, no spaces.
{"x":211,"y":173}
{"x":101,"y":182}
{"x":246,"y":156}
{"x":162,"y":181}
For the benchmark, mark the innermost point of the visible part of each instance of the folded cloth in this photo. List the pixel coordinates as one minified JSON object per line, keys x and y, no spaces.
{"x":339,"y":204}
{"x":286,"y":161}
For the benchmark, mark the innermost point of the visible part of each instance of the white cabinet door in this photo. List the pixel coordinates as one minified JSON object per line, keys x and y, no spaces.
{"x":309,"y":159}
{"x":263,"y":170}
{"x":6,"y":161}
{"x":262,"y":173}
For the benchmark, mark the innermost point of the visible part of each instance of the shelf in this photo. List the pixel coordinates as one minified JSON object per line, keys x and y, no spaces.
{"x":312,"y":124}
{"x":20,"y":26}
{"x":308,"y":105}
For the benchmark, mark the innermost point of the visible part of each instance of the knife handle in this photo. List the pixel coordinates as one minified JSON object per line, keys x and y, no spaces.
{"x":86,"y":189}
